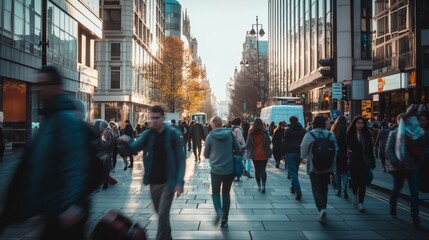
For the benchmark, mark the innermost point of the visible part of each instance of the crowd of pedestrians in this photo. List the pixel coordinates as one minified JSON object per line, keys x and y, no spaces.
{"x":55,"y":174}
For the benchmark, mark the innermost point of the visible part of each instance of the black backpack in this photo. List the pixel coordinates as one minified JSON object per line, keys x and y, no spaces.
{"x":323,"y":151}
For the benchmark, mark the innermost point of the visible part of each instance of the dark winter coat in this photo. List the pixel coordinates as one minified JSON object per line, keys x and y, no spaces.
{"x":292,"y":138}
{"x":53,"y":173}
{"x":342,"y":151}
{"x":381,"y":140}
{"x":197,"y":132}
{"x":361,"y":152}
{"x":277,"y":143}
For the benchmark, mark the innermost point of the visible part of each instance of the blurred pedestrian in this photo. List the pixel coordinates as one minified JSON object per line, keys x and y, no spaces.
{"x":339,"y":129}
{"x":219,"y":147}
{"x":380,"y":144}
{"x":105,"y":148}
{"x":319,"y":178}
{"x":277,"y":143}
{"x":52,"y":177}
{"x":238,"y":133}
{"x":197,"y":136}
{"x":259,"y":150}
{"x":164,"y":164}
{"x":116,"y":133}
{"x":292,"y":139}
{"x":362,"y":159}
{"x":404,"y":152}
{"x":129,"y":131}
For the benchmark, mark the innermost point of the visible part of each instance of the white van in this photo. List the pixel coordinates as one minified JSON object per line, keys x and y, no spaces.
{"x":279,"y":113}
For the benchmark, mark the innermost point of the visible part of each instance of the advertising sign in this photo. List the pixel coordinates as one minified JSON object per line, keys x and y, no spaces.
{"x":389,"y":83}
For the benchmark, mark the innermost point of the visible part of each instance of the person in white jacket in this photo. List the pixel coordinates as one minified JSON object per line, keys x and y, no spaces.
{"x":319,"y":178}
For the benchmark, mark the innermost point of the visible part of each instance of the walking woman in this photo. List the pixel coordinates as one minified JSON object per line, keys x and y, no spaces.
{"x":340,"y":131}
{"x":277,"y":143}
{"x":258,"y":149}
{"x":362,"y":159}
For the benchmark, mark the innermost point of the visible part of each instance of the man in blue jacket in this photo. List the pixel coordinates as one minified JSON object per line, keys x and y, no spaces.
{"x":164,"y":163}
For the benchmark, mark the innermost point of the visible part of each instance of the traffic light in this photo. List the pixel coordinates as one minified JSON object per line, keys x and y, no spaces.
{"x":326,"y":67}
{"x":326,"y":97}
{"x":346,"y":92}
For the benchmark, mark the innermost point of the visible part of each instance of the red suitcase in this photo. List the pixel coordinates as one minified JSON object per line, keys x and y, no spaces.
{"x":114,"y":226}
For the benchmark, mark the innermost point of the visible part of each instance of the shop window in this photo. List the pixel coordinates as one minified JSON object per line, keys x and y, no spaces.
{"x":115,"y":77}
{"x":14,"y":101}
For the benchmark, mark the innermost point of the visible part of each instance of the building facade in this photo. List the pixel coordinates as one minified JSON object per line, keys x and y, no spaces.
{"x":301,"y":32}
{"x":398,"y":77}
{"x":127,"y":57}
{"x":173,"y":18}
{"x":72,"y":29}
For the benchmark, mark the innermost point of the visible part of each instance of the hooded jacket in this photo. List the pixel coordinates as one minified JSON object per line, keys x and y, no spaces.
{"x":219,"y":147}
{"x":292,"y":138}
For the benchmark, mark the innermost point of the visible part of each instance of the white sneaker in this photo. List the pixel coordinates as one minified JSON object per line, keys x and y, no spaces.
{"x":322,"y":218}
{"x":360,"y":207}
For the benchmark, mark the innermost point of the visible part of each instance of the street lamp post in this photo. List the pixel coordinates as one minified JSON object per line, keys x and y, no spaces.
{"x":244,"y":63}
{"x":261,"y":33}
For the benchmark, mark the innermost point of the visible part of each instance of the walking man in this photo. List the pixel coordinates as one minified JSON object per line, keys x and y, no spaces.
{"x":129,"y":131}
{"x":197,"y":135}
{"x":291,"y":147}
{"x":219,"y":147}
{"x":51,"y":180}
{"x":319,"y":149}
{"x":164,"y":163}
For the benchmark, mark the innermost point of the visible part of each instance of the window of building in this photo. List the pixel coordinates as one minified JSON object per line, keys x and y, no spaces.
{"x":115,"y":51}
{"x":112,"y":2}
{"x":112,"y":19}
{"x":115,"y":77}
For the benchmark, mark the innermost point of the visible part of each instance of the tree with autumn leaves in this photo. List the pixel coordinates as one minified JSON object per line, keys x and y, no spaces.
{"x":178,"y":86}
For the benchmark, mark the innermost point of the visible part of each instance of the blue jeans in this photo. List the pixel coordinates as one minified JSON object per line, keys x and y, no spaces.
{"x":226,"y":182}
{"x":413,"y":183}
{"x":293,"y":162}
{"x":342,"y":177}
{"x":247,"y":163}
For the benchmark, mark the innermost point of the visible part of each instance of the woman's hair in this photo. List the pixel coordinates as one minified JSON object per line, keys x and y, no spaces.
{"x":236,"y":121}
{"x":351,"y":131}
{"x":339,"y":124}
{"x":279,"y":126}
{"x":319,"y":122}
{"x":256,"y":127}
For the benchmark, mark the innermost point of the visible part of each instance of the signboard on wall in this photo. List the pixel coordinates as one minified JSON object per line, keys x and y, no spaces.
{"x":388,"y":83}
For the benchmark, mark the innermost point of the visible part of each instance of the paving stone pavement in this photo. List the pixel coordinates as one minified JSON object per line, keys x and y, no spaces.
{"x":273,"y":215}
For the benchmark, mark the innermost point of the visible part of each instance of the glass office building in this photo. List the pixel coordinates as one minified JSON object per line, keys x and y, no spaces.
{"x":72,"y":28}
{"x":301,"y":32}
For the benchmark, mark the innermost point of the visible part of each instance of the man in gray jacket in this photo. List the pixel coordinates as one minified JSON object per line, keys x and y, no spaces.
{"x":219,"y":147}
{"x":319,"y":178}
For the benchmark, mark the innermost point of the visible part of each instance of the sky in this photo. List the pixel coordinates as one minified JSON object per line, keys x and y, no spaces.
{"x":220,"y":28}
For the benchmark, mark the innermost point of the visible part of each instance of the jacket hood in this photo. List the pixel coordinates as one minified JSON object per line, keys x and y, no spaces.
{"x":295,"y":126}
{"x":221,"y":134}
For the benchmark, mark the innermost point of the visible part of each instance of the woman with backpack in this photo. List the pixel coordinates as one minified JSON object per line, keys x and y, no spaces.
{"x":339,"y":129}
{"x":259,"y":150}
{"x":361,"y":158}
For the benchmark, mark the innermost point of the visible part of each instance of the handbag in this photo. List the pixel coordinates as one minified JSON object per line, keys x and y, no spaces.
{"x":370,"y":177}
{"x":114,"y":226}
{"x":238,"y":164}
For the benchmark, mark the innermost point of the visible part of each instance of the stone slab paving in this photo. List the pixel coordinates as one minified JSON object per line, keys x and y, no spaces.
{"x":253,"y":215}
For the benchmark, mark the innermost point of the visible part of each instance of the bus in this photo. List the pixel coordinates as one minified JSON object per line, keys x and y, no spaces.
{"x":199,"y":117}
